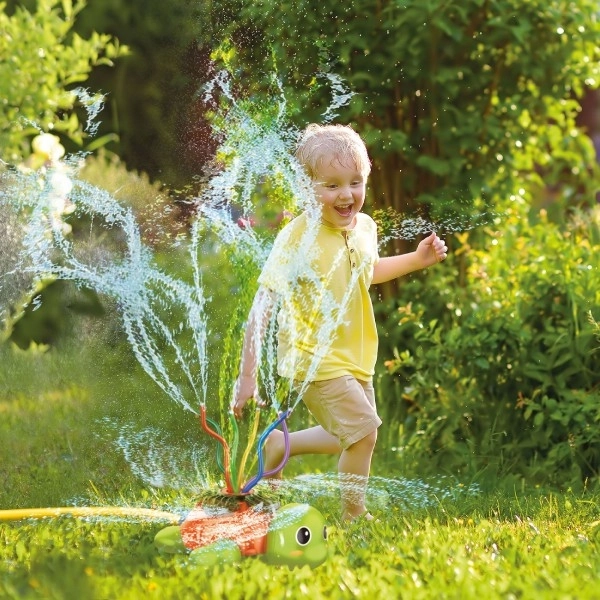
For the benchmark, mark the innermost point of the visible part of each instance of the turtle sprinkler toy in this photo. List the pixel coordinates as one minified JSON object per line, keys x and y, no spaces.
{"x":233,"y":523}
{"x":236,"y":523}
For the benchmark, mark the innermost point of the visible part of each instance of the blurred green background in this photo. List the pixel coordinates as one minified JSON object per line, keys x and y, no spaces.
{"x":481,"y":116}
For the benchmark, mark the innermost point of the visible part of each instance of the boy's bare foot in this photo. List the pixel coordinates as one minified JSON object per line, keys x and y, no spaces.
{"x":364,"y":516}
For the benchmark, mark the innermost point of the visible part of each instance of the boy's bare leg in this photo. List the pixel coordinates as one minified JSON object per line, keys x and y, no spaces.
{"x":314,"y":440}
{"x":354,"y":467}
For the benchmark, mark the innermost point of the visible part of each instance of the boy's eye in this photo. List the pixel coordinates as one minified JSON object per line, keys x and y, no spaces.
{"x":334,"y":186}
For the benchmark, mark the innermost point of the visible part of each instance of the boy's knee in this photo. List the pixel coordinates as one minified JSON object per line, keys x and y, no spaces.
{"x":367,"y":442}
{"x":275,"y":437}
{"x":275,"y":443}
{"x":372,"y":438}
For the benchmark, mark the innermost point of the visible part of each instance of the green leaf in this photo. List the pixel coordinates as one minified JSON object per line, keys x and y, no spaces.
{"x":435,"y":165}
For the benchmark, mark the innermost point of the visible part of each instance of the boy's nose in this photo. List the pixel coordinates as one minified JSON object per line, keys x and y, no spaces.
{"x":345,"y":193}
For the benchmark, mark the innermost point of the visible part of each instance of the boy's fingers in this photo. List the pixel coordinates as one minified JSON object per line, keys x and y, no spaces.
{"x":440,"y":249}
{"x":238,"y":406}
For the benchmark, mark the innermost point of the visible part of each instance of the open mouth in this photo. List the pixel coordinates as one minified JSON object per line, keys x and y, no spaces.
{"x":344,"y":211}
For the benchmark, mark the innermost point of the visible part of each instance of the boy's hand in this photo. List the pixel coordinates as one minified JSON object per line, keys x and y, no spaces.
{"x":245,"y":389}
{"x":432,"y":250}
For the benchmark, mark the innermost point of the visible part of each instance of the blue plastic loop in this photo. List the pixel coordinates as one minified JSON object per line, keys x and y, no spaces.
{"x":261,"y":442}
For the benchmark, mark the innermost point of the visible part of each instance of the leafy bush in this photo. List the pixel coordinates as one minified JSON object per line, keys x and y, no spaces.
{"x":47,"y":61}
{"x":502,"y":372}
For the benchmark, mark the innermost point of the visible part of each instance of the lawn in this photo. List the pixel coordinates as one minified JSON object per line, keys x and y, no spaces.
{"x":87,"y":429}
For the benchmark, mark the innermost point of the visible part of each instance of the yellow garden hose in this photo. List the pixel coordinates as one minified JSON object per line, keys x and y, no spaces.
{"x":17,"y":514}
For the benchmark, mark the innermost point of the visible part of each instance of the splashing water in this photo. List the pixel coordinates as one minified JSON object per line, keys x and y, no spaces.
{"x":160,"y":465}
{"x":156,"y":462}
{"x":341,"y":95}
{"x":173,"y":352}
{"x":139,"y":287}
{"x":94,"y":104}
{"x":165,"y":318}
{"x":393,"y":225}
{"x":383,"y":492}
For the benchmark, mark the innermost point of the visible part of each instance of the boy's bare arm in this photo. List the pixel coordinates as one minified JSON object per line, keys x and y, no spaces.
{"x":245,"y":386}
{"x":430,"y":251}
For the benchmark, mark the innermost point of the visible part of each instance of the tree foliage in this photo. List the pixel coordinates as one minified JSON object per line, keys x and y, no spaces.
{"x":153,"y":91}
{"x":44,"y":62}
{"x":458,"y":101}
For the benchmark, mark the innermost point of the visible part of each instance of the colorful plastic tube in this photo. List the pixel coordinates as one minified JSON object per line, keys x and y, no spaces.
{"x":226,"y":452}
{"x":261,"y":442}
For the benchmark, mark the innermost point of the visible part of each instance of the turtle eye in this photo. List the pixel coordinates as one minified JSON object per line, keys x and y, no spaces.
{"x":325,"y":532}
{"x":303,"y":536}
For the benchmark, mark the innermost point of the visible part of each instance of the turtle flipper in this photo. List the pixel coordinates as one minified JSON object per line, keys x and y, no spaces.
{"x":222,"y":551}
{"x":169,"y":540}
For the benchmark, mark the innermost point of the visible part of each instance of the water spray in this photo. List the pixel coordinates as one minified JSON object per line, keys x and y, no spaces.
{"x":238,"y":523}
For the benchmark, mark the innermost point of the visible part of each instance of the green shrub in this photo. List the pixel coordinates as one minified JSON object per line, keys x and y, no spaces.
{"x":501,"y":373}
{"x":153,"y":105}
{"x":45,"y":62}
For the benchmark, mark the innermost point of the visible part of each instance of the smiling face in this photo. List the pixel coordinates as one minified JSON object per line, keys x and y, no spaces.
{"x":340,"y":189}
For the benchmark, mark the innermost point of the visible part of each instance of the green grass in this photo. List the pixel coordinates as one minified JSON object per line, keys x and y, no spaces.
{"x":545,"y":547}
{"x":57,"y":447}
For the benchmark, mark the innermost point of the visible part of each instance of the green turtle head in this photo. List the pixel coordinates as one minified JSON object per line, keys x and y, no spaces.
{"x":297,"y":536}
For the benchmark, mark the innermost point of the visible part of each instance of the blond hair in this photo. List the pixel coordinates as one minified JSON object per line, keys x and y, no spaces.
{"x":328,"y":143}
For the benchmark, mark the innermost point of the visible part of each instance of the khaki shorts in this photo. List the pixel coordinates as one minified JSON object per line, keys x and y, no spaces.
{"x":344,"y":407}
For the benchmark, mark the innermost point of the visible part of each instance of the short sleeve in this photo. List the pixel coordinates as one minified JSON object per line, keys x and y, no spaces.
{"x":291,"y":257}
{"x":277,"y":271}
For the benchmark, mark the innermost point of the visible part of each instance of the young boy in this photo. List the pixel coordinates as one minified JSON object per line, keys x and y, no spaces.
{"x":319,"y":271}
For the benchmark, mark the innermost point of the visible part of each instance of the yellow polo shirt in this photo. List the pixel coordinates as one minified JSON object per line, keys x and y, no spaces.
{"x":321,"y":275}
